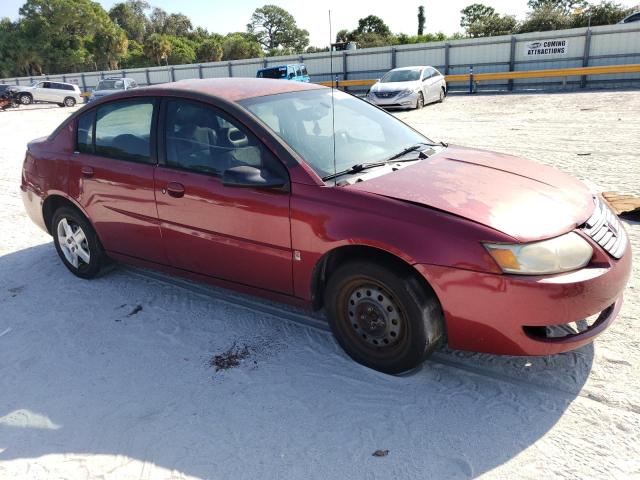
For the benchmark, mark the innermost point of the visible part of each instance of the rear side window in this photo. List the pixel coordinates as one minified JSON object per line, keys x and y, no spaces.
{"x":123,"y":130}
{"x":85,"y":132}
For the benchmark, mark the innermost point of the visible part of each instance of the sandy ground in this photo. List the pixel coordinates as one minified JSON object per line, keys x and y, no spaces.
{"x":113,"y":378}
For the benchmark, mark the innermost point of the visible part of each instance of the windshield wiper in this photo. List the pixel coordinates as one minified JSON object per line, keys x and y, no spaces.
{"x":358,"y":167}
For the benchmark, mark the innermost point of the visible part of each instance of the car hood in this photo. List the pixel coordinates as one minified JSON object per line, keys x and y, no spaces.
{"x":394,"y":86}
{"x":520,"y":198}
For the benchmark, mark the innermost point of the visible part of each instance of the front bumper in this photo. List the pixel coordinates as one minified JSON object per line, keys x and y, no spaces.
{"x":504,"y":314}
{"x":397,"y":101}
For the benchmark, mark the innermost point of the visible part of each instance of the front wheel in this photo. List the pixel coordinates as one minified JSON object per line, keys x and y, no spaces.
{"x":77,"y":243}
{"x":420,"y":101}
{"x":26,"y":99}
{"x":382,"y":317}
{"x":442,"y":95}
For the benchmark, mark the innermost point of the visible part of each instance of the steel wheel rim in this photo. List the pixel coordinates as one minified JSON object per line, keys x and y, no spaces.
{"x":375,"y":318}
{"x":420,"y":101}
{"x":68,"y":102}
{"x":73,"y":243}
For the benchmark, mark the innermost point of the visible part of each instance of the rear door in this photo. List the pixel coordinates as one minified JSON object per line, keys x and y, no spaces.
{"x":236,"y":234}
{"x":112,"y":176}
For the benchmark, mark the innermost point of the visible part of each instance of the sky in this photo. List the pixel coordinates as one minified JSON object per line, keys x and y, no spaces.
{"x":224,"y":16}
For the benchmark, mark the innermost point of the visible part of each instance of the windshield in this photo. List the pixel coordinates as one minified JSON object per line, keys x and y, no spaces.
{"x":363,"y":133}
{"x":110,"y":85}
{"x":278,"y":72}
{"x":401,"y":76}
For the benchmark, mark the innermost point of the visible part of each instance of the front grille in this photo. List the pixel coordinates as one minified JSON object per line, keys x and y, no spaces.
{"x":386,"y":94}
{"x":606,"y":230}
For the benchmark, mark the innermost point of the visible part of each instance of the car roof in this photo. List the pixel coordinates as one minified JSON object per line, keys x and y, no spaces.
{"x":414,"y":67}
{"x":233,"y":89}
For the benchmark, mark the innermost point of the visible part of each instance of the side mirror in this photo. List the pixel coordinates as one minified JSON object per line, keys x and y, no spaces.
{"x":251,"y":177}
{"x":377,"y":80}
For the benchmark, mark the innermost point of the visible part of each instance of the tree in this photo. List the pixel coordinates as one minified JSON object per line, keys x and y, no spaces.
{"x":182,"y":50}
{"x":372,"y":24}
{"x":275,"y":28}
{"x":475,"y":13}
{"x":482,"y":21}
{"x":177,"y":24}
{"x":157,"y":47}
{"x":236,"y":46}
{"x":108,"y":46}
{"x":343,"y":36}
{"x":565,"y":6}
{"x":421,"y":20}
{"x":210,"y":50}
{"x":131,"y":17}
{"x":605,"y":13}
{"x":544,"y":19}
{"x":135,"y":56}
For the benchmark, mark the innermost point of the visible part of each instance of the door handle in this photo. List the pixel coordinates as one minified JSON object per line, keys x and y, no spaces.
{"x":175,"y":189}
{"x":87,"y":172}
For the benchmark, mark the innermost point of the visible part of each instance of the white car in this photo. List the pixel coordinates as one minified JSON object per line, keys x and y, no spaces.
{"x":408,"y":87}
{"x":64,"y":94}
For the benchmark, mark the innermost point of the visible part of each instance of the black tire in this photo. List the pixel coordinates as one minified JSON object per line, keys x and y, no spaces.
{"x":60,"y":104}
{"x":15,"y":104}
{"x":393,"y":326}
{"x":69,"y":102}
{"x":97,"y":257}
{"x":443,"y":94}
{"x":420,"y":101}
{"x":26,"y":99}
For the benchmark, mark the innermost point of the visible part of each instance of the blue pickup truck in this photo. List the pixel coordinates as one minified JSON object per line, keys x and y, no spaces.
{"x":296,"y":72}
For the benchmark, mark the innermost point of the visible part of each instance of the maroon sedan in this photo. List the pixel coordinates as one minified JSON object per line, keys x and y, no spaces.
{"x":292,"y":192}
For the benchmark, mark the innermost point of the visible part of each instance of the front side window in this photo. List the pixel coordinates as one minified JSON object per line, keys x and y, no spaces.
{"x":298,"y":73}
{"x":123,"y":130}
{"x":304,"y":71}
{"x":304,"y":120}
{"x":201,"y":139}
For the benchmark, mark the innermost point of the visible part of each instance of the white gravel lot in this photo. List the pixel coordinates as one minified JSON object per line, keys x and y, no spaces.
{"x":90,"y":390}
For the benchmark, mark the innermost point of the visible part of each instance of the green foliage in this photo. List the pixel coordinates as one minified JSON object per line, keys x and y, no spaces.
{"x":157,"y":48}
{"x":565,"y":6}
{"x":404,"y":39}
{"x":276,"y":30}
{"x":544,"y":19}
{"x":604,"y":13}
{"x":236,"y":46}
{"x":135,"y":56}
{"x":131,"y":17}
{"x":209,"y":50}
{"x":483,"y":21}
{"x":421,"y":20}
{"x":182,"y":50}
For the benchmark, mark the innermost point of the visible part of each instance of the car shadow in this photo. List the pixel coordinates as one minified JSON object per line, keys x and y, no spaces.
{"x":123,"y":366}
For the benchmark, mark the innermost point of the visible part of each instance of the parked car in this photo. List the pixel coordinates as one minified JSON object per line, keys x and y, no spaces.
{"x":63,"y":94}
{"x":296,"y":72}
{"x":9,"y":97}
{"x":634,"y":17}
{"x":408,"y":87}
{"x":111,"y":85}
{"x":407,"y":243}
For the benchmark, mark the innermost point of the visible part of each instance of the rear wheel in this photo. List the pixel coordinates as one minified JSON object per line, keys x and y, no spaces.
{"x":69,"y":102}
{"x":77,"y":243}
{"x":383,"y":319}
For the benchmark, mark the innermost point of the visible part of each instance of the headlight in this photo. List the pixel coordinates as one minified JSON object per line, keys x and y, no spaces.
{"x":404,"y":93}
{"x":561,"y":254}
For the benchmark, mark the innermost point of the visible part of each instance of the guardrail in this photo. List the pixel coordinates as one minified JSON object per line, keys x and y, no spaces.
{"x":481,"y":77}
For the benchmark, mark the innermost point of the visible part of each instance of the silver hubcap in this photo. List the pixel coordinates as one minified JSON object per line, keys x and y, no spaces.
{"x":73,"y":243}
{"x":69,"y":102}
{"x":374,"y":316}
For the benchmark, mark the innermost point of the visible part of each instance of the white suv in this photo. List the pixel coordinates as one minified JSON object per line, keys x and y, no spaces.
{"x":64,"y":94}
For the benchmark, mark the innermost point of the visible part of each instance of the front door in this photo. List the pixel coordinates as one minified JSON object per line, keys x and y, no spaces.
{"x":112,"y":177}
{"x":236,"y":234}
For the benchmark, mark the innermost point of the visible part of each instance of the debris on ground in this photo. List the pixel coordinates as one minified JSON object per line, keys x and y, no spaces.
{"x":136,"y":309}
{"x":380,"y":453}
{"x":622,"y":203}
{"x":229,"y":359}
